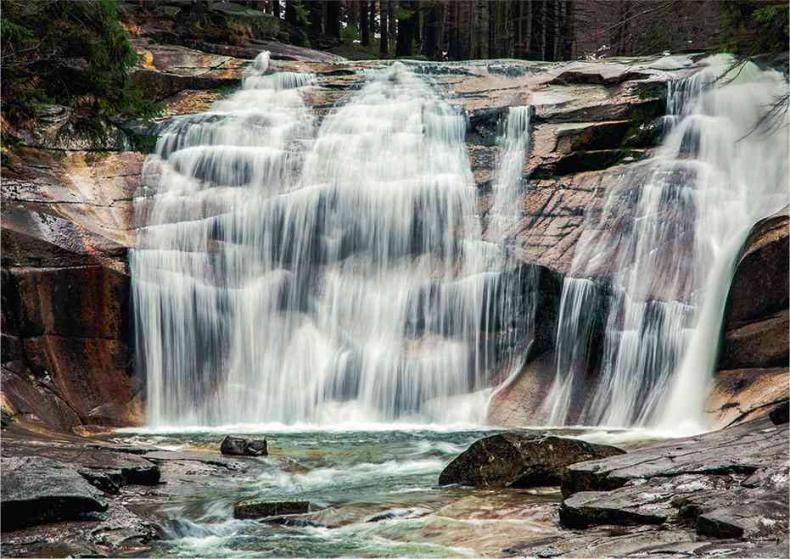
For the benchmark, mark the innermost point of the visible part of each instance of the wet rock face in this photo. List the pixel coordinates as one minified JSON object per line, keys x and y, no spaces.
{"x":755,"y":348}
{"x":243,"y":447}
{"x":38,"y":490}
{"x":65,"y":230}
{"x":756,"y":320}
{"x":520,"y":460}
{"x":724,"y":484}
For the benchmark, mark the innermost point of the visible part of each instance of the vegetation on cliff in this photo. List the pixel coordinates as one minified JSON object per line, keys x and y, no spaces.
{"x":74,"y":54}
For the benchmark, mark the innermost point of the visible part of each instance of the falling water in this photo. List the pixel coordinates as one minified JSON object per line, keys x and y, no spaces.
{"x":518,"y":288}
{"x":667,"y":237}
{"x":288,"y":275}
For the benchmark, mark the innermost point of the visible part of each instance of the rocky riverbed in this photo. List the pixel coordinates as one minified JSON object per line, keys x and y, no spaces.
{"x":374,"y":492}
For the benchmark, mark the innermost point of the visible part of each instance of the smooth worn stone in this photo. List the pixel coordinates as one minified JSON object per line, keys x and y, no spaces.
{"x":400,"y":514}
{"x":39,"y":490}
{"x":745,"y":394}
{"x":520,"y":460}
{"x":241,"y":446}
{"x":257,"y":508}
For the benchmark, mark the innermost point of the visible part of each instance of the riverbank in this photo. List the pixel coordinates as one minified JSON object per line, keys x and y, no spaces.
{"x":376,"y":493}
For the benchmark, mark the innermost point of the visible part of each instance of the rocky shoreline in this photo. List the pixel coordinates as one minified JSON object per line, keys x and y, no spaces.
{"x":721,"y":492}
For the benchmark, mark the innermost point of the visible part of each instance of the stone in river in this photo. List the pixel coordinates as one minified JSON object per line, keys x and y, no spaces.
{"x":520,"y":460}
{"x":240,"y":446}
{"x":258,"y":508}
{"x":39,"y":490}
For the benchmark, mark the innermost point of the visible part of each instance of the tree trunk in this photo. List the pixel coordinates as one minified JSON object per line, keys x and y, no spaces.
{"x":483,"y":23}
{"x":431,"y":31}
{"x":406,"y":25}
{"x":290,"y":12}
{"x":364,"y":22}
{"x":528,"y":38}
{"x":315,"y":13}
{"x":276,"y":8}
{"x":392,"y":21}
{"x":544,"y":24}
{"x":372,"y":18}
{"x":383,"y":27}
{"x":333,"y":19}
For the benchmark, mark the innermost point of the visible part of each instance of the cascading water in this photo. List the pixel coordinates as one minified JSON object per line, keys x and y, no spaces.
{"x":517,"y":289}
{"x":668,"y":236}
{"x":287,"y":276}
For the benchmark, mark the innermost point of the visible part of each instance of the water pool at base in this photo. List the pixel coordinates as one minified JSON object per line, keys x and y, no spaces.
{"x":350,"y":478}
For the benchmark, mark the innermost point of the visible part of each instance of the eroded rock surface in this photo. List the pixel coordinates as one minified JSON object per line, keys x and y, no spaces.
{"x":730,"y":483}
{"x":520,"y":460}
{"x":38,"y":490}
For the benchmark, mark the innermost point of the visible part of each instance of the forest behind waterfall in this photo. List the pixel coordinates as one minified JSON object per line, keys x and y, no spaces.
{"x":529,"y":29}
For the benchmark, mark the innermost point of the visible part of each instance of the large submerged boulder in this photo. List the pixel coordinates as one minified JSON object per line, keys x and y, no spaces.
{"x":520,"y":460}
{"x":258,"y":508}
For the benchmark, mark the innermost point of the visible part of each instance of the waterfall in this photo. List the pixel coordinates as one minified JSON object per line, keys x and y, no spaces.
{"x":518,"y":289}
{"x":288,"y":274}
{"x":667,"y":238}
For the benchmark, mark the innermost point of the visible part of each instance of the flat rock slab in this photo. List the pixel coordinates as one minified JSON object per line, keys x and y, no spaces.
{"x":761,"y":517}
{"x":742,"y":449}
{"x":640,"y":501}
{"x":520,"y":460}
{"x":257,"y":508}
{"x":39,"y":490}
{"x":195,"y":456}
{"x":108,"y":470}
{"x":730,"y":484}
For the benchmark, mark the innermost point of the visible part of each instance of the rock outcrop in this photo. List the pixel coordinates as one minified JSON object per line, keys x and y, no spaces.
{"x":520,"y":460}
{"x":66,"y":341}
{"x":729,"y":484}
{"x":39,"y":490}
{"x":754,"y":353}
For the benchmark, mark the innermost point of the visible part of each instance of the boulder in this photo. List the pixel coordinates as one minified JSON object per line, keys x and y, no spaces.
{"x":520,"y":460}
{"x":39,"y":490}
{"x":240,"y":446}
{"x":257,"y":508}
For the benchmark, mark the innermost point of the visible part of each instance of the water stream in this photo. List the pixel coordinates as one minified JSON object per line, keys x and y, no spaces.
{"x":334,"y":274}
{"x":667,"y":239}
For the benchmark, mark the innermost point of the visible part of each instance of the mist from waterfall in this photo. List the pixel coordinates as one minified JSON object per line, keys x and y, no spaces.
{"x":286,"y":273}
{"x":668,"y":237}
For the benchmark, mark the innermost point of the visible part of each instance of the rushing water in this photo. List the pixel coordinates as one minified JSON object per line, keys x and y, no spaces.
{"x":351,"y":479}
{"x":293,"y":274}
{"x":668,"y":237}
